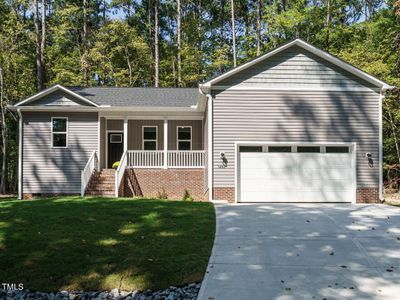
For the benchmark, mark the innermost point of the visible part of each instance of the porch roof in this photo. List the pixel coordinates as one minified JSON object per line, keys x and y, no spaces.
{"x":140,"y":96}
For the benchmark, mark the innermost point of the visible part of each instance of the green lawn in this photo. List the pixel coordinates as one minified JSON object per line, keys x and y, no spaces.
{"x":101,"y":243}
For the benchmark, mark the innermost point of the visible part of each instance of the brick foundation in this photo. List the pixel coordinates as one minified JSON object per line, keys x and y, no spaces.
{"x":364,"y":195}
{"x":29,"y":196}
{"x":368,"y":195}
{"x":224,"y":193}
{"x":151,"y":182}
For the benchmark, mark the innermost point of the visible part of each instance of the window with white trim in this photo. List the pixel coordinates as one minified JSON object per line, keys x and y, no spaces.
{"x":149,"y":138}
{"x":184,"y":138}
{"x":59,"y":132}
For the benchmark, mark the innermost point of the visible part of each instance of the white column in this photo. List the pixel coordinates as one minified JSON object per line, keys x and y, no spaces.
{"x":165,"y":142}
{"x":210,"y":146}
{"x":125,"y":134}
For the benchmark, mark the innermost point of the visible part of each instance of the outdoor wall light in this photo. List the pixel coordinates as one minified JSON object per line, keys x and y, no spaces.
{"x":368,"y":155}
{"x":223,"y":158}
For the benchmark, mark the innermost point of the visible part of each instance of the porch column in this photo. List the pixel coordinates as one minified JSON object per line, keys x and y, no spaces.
{"x":125,"y":134}
{"x":165,"y":142}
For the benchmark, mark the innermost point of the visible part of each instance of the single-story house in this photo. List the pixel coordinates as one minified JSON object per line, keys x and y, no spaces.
{"x":294,"y":125}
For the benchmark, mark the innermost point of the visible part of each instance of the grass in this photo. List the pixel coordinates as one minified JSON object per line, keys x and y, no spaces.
{"x":76,"y":243}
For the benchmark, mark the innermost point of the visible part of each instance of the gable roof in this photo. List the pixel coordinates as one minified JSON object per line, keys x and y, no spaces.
{"x":125,"y":97}
{"x":298,"y":42}
{"x":51,"y":90}
{"x":140,"y":96}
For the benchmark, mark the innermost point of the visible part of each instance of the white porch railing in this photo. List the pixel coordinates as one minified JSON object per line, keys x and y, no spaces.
{"x":186,"y":159}
{"x":175,"y":159}
{"x":119,"y":174}
{"x":86,"y":173}
{"x":145,"y":159}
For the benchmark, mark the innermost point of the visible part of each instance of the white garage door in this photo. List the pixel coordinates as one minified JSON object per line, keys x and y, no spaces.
{"x":297,"y":177}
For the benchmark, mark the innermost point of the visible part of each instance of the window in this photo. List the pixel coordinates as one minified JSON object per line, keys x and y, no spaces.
{"x":337,"y":149}
{"x":308,"y":149}
{"x":149,"y":138}
{"x":116,"y":138}
{"x":279,"y":149}
{"x":184,"y":140}
{"x":250,"y":148}
{"x":59,"y":132}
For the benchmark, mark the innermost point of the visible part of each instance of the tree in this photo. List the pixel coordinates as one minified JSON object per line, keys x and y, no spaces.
{"x":179,"y":41}
{"x":85,"y":64}
{"x":233,"y":33}
{"x":156,"y":46}
{"x":39,"y":63}
{"x":4,"y":135}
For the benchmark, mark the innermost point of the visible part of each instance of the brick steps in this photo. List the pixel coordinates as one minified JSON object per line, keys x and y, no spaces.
{"x":102,"y":184}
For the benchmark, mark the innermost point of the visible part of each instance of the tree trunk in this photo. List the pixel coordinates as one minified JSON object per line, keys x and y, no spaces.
{"x":156,"y":50}
{"x":392,"y":126}
{"x":85,"y":42}
{"x":222,"y":22}
{"x":4,"y":171}
{"x":43,"y":41}
{"x":233,"y":33}
{"x":38,"y":54}
{"x":179,"y":42}
{"x":258,"y":27}
{"x":328,"y":24}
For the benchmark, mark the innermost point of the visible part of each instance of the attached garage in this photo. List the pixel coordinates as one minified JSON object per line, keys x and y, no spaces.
{"x":296,"y":173}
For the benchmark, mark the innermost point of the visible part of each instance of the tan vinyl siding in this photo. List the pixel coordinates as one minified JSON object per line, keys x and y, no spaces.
{"x":56,"y":170}
{"x":295,"y":67}
{"x":294,"y":116}
{"x":135,"y":133}
{"x":197,"y":133}
{"x":117,"y":125}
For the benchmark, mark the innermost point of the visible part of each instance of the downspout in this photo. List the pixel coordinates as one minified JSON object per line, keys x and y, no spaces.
{"x":20,"y":154}
{"x":381,"y":98}
{"x":209,"y":143}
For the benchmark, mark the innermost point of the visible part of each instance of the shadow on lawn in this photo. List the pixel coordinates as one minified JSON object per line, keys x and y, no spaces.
{"x":94,"y":243}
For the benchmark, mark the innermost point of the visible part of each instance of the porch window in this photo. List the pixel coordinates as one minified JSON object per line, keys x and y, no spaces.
{"x":149,"y":138}
{"x":59,"y":132}
{"x":184,"y":138}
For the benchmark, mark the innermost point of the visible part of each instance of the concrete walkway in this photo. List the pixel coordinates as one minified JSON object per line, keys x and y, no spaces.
{"x":301,"y":251}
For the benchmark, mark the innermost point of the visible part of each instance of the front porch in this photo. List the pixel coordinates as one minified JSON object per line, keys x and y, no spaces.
{"x":155,"y":155}
{"x":159,"y":142}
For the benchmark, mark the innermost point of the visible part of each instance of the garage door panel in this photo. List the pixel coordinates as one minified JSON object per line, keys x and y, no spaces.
{"x":296,"y":177}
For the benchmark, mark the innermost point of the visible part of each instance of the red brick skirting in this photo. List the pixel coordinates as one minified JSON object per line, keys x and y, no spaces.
{"x":364,"y":195}
{"x":224,"y":193}
{"x":368,"y":195}
{"x":151,"y":182}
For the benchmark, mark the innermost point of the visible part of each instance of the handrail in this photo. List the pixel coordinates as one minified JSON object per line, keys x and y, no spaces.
{"x":87,"y":172}
{"x":119,"y":174}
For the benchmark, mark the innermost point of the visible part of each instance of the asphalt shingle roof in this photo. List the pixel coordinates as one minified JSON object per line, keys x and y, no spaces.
{"x":140,"y":96}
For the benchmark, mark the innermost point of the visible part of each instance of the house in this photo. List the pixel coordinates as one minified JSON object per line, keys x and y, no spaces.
{"x":294,"y":125}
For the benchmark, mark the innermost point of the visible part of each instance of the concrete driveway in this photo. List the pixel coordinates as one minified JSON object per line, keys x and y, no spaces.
{"x":304,"y":251}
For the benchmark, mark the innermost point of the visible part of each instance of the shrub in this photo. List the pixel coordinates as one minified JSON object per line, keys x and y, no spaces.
{"x":187,"y":196}
{"x":162,"y":194}
{"x":115,"y":165}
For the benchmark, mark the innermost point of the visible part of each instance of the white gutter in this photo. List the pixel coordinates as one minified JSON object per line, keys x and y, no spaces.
{"x":20,"y":154}
{"x":210,"y":143}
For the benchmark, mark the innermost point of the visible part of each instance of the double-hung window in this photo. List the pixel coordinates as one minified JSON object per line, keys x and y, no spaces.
{"x":184,"y":138}
{"x":59,"y":132}
{"x":149,"y":138}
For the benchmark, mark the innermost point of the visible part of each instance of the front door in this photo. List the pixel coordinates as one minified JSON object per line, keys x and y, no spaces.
{"x":115,"y":147}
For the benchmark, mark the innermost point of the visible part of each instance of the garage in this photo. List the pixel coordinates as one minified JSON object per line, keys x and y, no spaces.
{"x":296,"y":173}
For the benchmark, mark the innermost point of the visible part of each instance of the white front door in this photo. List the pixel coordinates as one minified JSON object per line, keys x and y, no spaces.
{"x":296,"y":177}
